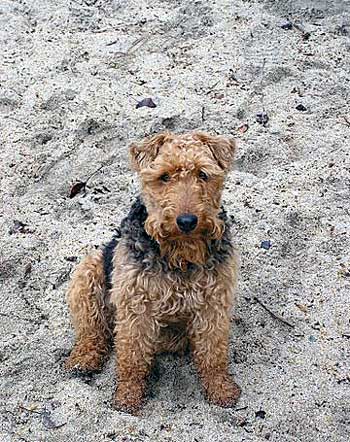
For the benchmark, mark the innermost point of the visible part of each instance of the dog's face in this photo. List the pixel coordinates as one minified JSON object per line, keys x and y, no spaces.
{"x":182,"y":179}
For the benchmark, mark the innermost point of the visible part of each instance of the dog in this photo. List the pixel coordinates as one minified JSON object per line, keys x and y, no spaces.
{"x":167,"y":281}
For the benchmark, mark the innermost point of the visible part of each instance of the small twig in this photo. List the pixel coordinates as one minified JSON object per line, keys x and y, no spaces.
{"x":347,"y":121}
{"x":22,"y":407}
{"x":242,"y":408}
{"x":136,"y":45}
{"x":56,"y":426}
{"x":202,"y":113}
{"x":273,"y":314}
{"x":212,"y":88}
{"x":137,"y":42}
{"x":111,"y":43}
{"x":80,"y":186}
{"x":13,"y":316}
{"x":94,"y":173}
{"x":10,"y":412}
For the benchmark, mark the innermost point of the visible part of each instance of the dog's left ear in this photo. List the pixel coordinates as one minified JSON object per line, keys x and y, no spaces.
{"x":143,"y":154}
{"x":222,"y":148}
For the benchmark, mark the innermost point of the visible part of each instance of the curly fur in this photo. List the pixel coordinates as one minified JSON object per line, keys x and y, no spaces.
{"x":146,"y":251}
{"x":155,"y":288}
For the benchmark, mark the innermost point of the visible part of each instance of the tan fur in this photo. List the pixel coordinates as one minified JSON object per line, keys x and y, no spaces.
{"x":183,"y":157}
{"x":152,"y":311}
{"x":90,"y":314}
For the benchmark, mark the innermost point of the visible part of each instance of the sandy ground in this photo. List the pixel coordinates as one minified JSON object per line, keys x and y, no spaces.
{"x":70,"y":76}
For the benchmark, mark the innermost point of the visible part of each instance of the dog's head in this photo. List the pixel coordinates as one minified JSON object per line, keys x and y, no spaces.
{"x":182,"y":179}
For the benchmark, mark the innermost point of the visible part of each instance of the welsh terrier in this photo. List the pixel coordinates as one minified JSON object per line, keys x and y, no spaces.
{"x":167,"y":280}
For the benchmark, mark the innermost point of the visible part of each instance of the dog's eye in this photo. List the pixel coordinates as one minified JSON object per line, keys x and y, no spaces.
{"x":165,"y":177}
{"x":203,"y":176}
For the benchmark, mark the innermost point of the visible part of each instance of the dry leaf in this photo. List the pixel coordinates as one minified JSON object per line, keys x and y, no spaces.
{"x":243,"y":129}
{"x":302,"y":307}
{"x":77,"y":188}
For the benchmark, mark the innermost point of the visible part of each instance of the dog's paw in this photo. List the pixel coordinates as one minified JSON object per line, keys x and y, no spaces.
{"x":129,"y":396}
{"x":222,"y":391}
{"x":78,"y":363}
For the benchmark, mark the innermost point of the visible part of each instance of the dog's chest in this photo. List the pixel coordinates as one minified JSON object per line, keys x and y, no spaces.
{"x":169,"y":295}
{"x":182,"y":296}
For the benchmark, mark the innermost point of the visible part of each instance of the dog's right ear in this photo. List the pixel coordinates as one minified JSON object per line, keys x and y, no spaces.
{"x":143,"y":154}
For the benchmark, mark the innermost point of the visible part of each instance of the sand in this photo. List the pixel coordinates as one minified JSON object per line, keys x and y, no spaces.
{"x":273,"y":74}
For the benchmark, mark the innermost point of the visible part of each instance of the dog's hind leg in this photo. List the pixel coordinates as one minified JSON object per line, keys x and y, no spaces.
{"x":91,"y":316}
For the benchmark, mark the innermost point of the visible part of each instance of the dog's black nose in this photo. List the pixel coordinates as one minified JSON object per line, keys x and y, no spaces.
{"x":187,"y":222}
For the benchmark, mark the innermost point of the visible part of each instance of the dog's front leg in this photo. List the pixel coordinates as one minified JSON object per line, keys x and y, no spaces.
{"x":135,"y":339}
{"x":209,"y":338}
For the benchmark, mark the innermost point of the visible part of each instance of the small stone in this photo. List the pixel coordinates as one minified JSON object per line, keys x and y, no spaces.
{"x":260,"y":414}
{"x":19,"y":227}
{"x":265,"y":245}
{"x":28,"y":269}
{"x":262,"y":118}
{"x":301,"y":108}
{"x":343,"y":29}
{"x":312,"y":338}
{"x":146,"y":102}
{"x":71,"y":258}
{"x":287,"y":25}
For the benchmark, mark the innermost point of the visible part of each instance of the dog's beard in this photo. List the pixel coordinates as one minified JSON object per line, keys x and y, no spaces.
{"x":180,"y":249}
